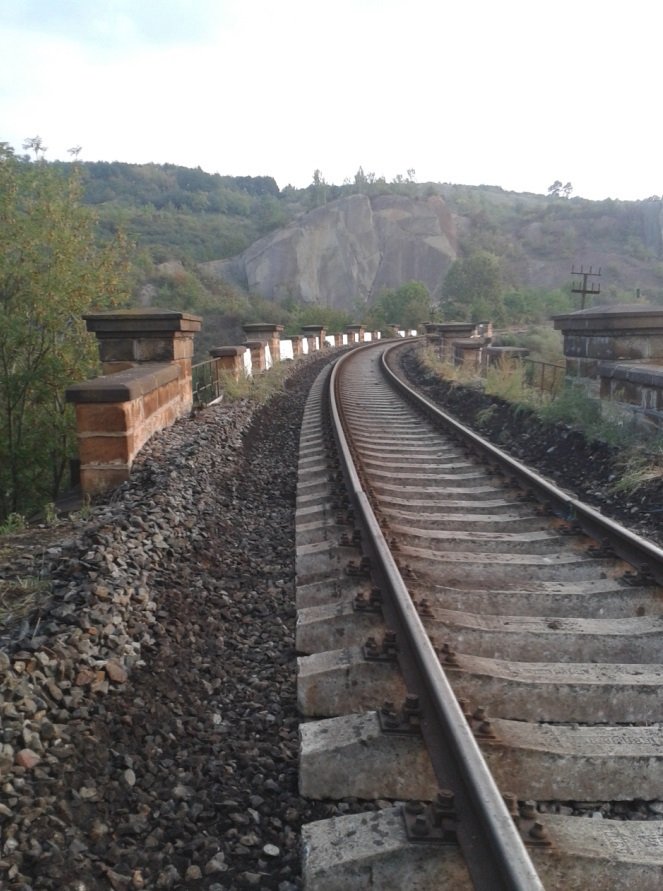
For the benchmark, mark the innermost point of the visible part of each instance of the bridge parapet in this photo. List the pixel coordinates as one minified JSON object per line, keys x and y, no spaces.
{"x":146,"y":358}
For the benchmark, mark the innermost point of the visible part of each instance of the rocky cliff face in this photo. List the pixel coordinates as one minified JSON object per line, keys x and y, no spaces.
{"x":345,"y":253}
{"x":349,"y":250}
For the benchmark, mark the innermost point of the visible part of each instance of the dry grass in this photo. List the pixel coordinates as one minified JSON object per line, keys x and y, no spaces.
{"x":20,"y":597}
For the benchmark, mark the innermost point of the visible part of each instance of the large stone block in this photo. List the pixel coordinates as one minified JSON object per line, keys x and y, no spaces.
{"x":109,"y":417}
{"x":118,"y":449}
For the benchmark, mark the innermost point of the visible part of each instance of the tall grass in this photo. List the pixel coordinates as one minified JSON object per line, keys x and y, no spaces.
{"x":258,"y":388}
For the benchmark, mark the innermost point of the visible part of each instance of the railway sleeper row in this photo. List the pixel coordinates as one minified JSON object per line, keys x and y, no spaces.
{"x":358,"y":739}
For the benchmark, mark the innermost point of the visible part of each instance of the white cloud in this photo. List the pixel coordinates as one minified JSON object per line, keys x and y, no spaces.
{"x":513,"y":94}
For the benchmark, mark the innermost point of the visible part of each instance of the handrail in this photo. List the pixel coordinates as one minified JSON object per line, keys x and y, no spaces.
{"x":205,"y":383}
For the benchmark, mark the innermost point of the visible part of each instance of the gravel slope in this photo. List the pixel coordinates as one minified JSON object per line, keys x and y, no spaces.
{"x":149,"y":725}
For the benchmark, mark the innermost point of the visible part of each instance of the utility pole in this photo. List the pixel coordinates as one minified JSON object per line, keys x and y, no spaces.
{"x":585,"y":289}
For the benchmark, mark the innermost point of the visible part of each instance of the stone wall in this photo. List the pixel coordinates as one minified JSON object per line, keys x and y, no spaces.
{"x":146,"y":355}
{"x":118,"y":413}
{"x":616,"y":354}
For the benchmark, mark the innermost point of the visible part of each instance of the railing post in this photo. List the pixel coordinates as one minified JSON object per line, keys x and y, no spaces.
{"x":269,"y":334}
{"x":229,"y":359}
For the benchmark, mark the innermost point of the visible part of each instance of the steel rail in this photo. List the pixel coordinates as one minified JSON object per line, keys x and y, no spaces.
{"x":632,"y":548}
{"x":494,"y":851}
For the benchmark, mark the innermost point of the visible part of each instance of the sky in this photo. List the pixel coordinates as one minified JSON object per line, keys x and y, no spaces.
{"x":512,"y":93}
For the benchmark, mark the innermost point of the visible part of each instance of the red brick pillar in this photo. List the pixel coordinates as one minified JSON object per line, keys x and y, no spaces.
{"x":229,"y":359}
{"x":257,"y":348}
{"x":314,"y":332}
{"x":267,"y":333}
{"x":297,"y":349}
{"x":130,"y":337}
{"x":355,"y":333}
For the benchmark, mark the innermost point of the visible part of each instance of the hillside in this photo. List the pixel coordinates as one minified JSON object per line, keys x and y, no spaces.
{"x":340,"y":246}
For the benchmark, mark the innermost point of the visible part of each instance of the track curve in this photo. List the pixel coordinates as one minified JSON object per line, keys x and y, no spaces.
{"x":547,"y":637}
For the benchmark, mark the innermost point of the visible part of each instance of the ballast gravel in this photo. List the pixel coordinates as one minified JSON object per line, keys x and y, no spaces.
{"x":149,"y":733}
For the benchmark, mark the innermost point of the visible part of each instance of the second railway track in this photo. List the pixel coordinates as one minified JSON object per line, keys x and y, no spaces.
{"x":548,"y":639}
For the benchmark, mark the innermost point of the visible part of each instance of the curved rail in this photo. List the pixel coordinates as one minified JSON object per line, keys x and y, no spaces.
{"x":635,"y":550}
{"x":494,"y":851}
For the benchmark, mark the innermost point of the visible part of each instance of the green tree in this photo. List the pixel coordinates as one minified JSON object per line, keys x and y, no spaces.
{"x":52,"y":269}
{"x":472,"y":289}
{"x":409,"y":306}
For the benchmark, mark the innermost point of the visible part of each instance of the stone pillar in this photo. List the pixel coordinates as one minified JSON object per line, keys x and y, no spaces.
{"x":131,"y":337}
{"x":355,"y":333}
{"x":314,"y":332}
{"x":229,"y":359}
{"x":257,"y":348}
{"x":297,"y":348}
{"x":467,"y":353}
{"x":117,"y":413}
{"x":268,"y":334}
{"x":624,"y":332}
{"x":450,"y":332}
{"x":338,"y":339}
{"x":505,"y":355}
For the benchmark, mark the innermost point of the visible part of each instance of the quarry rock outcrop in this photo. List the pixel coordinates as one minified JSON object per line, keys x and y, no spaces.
{"x":348,"y":251}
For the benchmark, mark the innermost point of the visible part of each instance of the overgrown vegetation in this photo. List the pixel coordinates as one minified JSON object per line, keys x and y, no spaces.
{"x":640,"y":454}
{"x":410,"y":305}
{"x":62,"y":251}
{"x":52,"y":269}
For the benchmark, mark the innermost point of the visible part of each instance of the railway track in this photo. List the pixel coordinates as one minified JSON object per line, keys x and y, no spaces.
{"x":482,"y":660}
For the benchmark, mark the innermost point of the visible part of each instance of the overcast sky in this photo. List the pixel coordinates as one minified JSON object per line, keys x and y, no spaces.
{"x":515,"y":93}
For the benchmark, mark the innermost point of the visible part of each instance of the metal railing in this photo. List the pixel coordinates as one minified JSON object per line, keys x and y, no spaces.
{"x":205,"y":383}
{"x":545,"y":376}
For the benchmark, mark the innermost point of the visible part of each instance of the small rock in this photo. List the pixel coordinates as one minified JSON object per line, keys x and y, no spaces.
{"x":137,"y":880}
{"x":85,"y":677}
{"x":27,"y":758}
{"x":168,"y":878}
{"x":271,"y":851}
{"x":216,"y":864}
{"x":192,"y":873}
{"x":116,"y":672}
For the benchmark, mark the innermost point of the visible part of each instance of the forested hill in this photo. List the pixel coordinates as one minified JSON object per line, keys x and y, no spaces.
{"x":193,"y":217}
{"x":184,"y":213}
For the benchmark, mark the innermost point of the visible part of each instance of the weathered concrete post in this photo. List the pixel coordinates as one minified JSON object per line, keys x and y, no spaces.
{"x":269,"y":334}
{"x":624,"y":332}
{"x":297,"y":346}
{"x":258,"y":354}
{"x":467,"y":353}
{"x":449,"y":332}
{"x":229,"y":359}
{"x":315,"y":335}
{"x":504,"y":356}
{"x":355,"y":333}
{"x":338,"y":339}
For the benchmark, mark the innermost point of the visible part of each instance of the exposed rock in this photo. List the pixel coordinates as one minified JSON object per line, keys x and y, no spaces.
{"x":27,"y":758}
{"x":350,"y":248}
